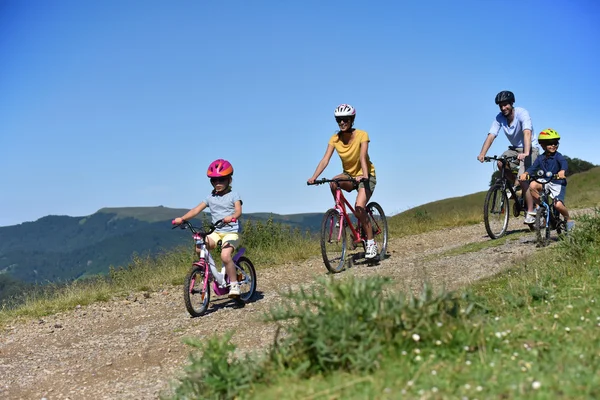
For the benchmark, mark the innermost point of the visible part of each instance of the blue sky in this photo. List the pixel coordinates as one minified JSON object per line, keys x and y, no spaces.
{"x":125,"y":103}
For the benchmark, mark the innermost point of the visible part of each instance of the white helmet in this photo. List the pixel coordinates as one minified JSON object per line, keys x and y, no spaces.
{"x":345,"y":110}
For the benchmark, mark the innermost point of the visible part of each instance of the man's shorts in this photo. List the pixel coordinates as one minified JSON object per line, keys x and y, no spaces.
{"x":233,"y":238}
{"x":557,"y":191}
{"x":521,"y":165}
{"x":371,"y":183}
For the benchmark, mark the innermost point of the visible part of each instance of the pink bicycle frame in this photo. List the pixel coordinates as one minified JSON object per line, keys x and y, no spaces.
{"x":340,"y":206}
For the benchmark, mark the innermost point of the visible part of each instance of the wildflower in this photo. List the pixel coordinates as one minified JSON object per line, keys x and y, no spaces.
{"x":468,"y":362}
{"x":434,"y":389}
{"x":416,"y":337}
{"x":433,"y":372}
{"x":568,"y":329}
{"x":535,"y":385}
{"x":555,"y":316}
{"x":438,"y":342}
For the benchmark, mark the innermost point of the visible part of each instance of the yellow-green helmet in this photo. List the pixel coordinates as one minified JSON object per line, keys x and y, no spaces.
{"x":548,"y":134}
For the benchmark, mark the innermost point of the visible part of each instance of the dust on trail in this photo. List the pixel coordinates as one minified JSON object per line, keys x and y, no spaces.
{"x":132,"y":348}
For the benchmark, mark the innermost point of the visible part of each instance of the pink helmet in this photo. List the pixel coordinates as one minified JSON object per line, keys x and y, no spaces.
{"x":219,"y":168}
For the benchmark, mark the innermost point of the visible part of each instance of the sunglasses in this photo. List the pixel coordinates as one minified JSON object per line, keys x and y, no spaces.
{"x":343,"y":119}
{"x":222,"y":179}
{"x":550,"y":143}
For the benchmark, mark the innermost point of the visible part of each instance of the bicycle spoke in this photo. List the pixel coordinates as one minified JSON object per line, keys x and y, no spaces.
{"x":379,"y":227}
{"x":333,"y":241}
{"x":496,"y":212}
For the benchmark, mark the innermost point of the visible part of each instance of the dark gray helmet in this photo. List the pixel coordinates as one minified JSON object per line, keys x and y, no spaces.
{"x":505,"y":95}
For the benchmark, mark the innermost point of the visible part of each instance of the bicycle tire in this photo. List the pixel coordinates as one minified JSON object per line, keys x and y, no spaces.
{"x":542,"y":230}
{"x":246,"y":275}
{"x":379,"y":226}
{"x":332,"y":248}
{"x":496,"y":212}
{"x":196,"y":295}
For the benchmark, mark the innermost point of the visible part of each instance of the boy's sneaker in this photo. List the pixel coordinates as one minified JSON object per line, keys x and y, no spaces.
{"x":234,"y":290}
{"x":529,"y":218}
{"x":570,"y":225}
{"x":371,"y":251}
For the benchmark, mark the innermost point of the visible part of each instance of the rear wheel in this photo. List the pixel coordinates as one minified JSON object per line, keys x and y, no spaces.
{"x":496,"y":212}
{"x":379,"y":226}
{"x":333,"y":241}
{"x":246,"y":275}
{"x":195,"y":293}
{"x":542,"y":230}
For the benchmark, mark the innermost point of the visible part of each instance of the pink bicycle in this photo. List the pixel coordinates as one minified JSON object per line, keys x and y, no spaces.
{"x":196,"y":289}
{"x":337,"y":224}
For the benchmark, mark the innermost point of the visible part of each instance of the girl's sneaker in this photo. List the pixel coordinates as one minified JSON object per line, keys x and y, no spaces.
{"x":234,"y":290}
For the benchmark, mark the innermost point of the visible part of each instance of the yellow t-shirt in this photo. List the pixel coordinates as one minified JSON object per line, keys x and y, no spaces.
{"x":350,"y":153}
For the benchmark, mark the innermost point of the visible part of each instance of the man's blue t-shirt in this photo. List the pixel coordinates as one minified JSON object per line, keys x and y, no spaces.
{"x":550,"y":162}
{"x":514,"y":132}
{"x":222,"y":206}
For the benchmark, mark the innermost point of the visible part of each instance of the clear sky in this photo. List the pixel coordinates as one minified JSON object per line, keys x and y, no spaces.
{"x":125,"y":103}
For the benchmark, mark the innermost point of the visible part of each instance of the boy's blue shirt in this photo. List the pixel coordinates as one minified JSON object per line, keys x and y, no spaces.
{"x":550,"y":162}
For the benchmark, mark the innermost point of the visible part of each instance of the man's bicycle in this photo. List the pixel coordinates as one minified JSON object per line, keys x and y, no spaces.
{"x":196,"y":289}
{"x":337,"y":224}
{"x":496,"y":207}
{"x":547,"y":217}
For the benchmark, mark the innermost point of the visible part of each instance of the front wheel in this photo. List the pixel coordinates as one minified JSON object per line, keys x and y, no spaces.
{"x":379,"y":226}
{"x":496,"y":212}
{"x":333,"y":241}
{"x":196,"y":291}
{"x":542,"y":230}
{"x":246,"y":275}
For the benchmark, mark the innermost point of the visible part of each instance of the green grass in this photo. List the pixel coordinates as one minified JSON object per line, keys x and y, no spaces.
{"x":528,"y":333}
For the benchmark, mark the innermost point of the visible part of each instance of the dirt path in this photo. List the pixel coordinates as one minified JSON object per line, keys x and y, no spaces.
{"x":132,"y":349}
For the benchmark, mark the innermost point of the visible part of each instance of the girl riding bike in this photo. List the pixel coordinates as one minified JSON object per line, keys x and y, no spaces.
{"x":352,"y":145}
{"x":226,"y":205}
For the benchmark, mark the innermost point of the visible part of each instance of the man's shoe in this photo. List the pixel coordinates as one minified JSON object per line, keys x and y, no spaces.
{"x":529,"y":219}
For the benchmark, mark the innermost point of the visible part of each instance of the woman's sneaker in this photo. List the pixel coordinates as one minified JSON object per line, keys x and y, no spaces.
{"x":570,"y":226}
{"x":371,"y":251}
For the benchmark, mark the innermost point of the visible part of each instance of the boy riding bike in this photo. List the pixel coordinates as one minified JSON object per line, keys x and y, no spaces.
{"x":226,"y":205}
{"x":550,"y":161}
{"x":352,"y":145}
{"x":516,"y":124}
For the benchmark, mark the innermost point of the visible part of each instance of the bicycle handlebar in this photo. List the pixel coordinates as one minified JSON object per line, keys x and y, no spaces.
{"x":198,"y":231}
{"x":499,"y":158}
{"x":325,"y":180}
{"x":542,"y":177}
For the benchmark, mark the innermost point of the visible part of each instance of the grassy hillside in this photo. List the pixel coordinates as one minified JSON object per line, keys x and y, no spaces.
{"x":63,"y":248}
{"x":583,"y":191}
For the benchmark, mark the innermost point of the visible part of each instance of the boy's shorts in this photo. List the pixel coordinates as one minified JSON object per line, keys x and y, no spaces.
{"x":521,"y":165}
{"x":371,"y":183}
{"x":556,"y":191}
{"x":233,"y":238}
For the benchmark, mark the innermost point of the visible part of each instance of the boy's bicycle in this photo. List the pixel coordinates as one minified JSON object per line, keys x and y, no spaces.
{"x":547,"y":216}
{"x":196,"y":289}
{"x":496,"y":207}
{"x":336,"y":222}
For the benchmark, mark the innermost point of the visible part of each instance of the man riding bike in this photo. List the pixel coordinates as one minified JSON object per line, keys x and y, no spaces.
{"x":516,"y":124}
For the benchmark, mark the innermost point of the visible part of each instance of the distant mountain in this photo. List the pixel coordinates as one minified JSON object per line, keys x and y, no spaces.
{"x":59,"y":248}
